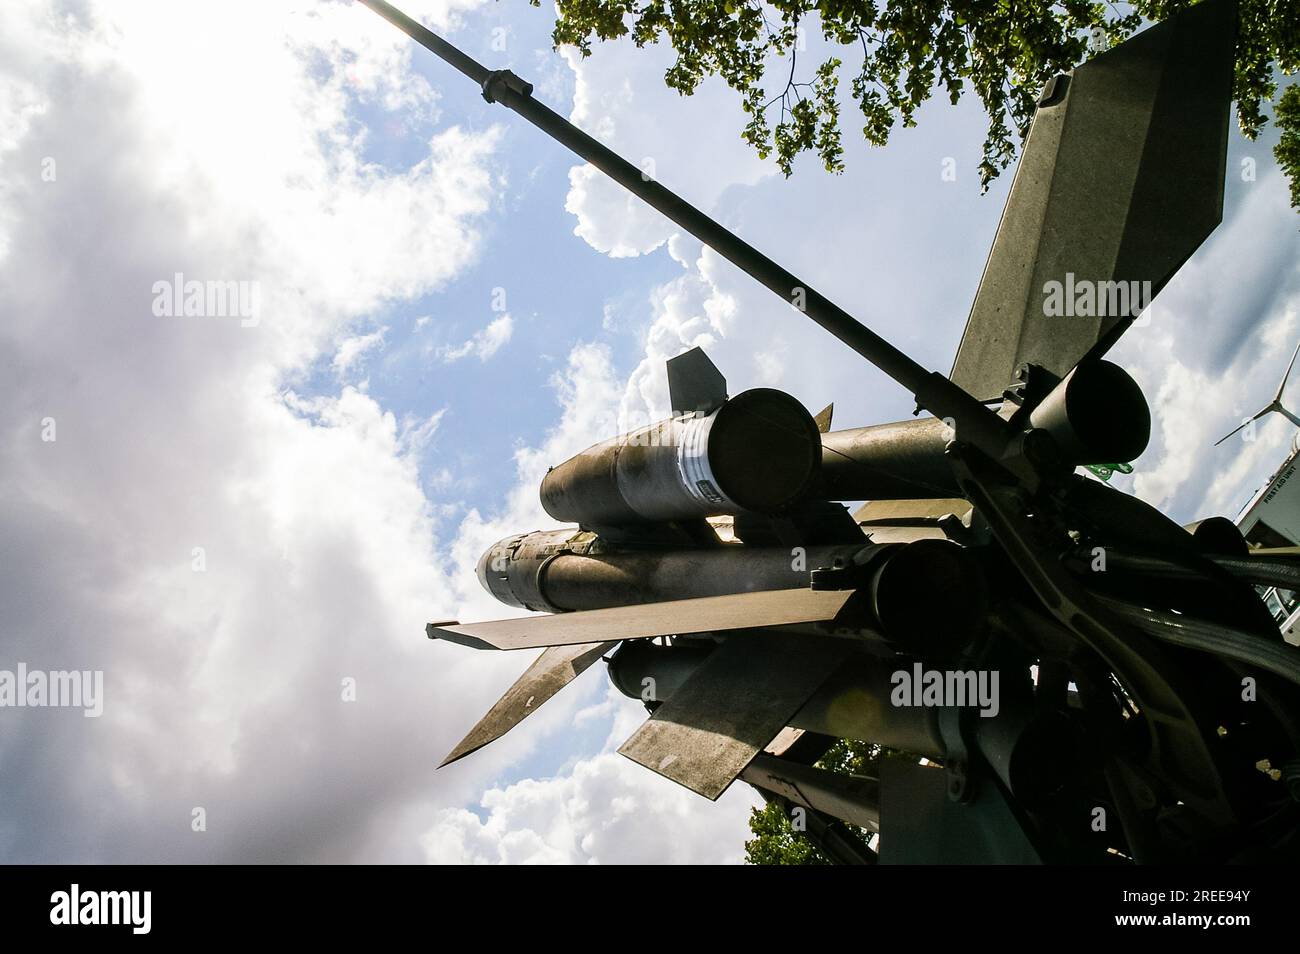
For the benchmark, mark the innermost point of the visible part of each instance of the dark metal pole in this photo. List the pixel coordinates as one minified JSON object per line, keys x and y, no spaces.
{"x":430,"y":40}
{"x":973,"y":422}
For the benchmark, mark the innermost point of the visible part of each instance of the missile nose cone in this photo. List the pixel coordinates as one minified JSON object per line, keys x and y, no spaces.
{"x":481,"y":569}
{"x":511,"y":568}
{"x":493,"y":569}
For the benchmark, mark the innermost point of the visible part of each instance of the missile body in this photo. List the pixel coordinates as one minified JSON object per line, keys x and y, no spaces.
{"x":562,"y":570}
{"x":759,"y":452}
{"x":928,"y":595}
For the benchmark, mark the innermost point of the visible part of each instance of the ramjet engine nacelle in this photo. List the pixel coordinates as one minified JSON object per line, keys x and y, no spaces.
{"x":927,"y":595}
{"x":758,"y":452}
{"x":1096,"y":415}
{"x":558,"y":571}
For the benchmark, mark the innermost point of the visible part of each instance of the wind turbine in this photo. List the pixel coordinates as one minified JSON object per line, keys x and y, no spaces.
{"x":1274,"y":405}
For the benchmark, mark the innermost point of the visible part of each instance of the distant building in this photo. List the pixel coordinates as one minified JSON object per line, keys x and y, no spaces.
{"x":1271,"y":519}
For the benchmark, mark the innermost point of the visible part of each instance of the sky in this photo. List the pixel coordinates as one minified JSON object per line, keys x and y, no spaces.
{"x":245,"y":520}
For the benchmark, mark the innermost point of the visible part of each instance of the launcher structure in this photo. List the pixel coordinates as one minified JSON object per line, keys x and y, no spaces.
{"x":712,"y":562}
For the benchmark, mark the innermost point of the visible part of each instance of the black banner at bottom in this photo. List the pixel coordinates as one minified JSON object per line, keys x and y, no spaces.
{"x":139,"y":903}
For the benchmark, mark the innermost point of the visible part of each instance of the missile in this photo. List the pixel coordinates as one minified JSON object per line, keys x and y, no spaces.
{"x":758,"y":452}
{"x":900,"y":461}
{"x":558,"y":571}
{"x":1096,"y":414}
{"x":928,"y":595}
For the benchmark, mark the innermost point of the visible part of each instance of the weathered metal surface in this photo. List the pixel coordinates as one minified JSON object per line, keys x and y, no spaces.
{"x":733,"y":706}
{"x":787,"y":740}
{"x":559,"y":570}
{"x":695,"y":385}
{"x":823,"y":418}
{"x":921,"y":516}
{"x":851,"y":798}
{"x":760,"y":451}
{"x":1121,"y":180}
{"x":510,"y":568}
{"x":854,"y":703}
{"x":595,"y":581}
{"x":920,"y":824}
{"x":554,"y":669}
{"x":1096,"y":415}
{"x":639,"y":663}
{"x":711,"y":614}
{"x":899,"y":580}
{"x":887,"y":461}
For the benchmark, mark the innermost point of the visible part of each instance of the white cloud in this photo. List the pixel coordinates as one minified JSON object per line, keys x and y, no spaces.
{"x":690,"y":143}
{"x":483,"y":344}
{"x":588,"y":392}
{"x":353,"y":348}
{"x":188,"y":443}
{"x":417,"y":433}
{"x":1215,"y":349}
{"x":605,"y":809}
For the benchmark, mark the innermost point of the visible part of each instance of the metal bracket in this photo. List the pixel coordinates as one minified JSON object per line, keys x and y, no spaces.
{"x":957,"y":755}
{"x":498,"y":79}
{"x":1178,"y":751}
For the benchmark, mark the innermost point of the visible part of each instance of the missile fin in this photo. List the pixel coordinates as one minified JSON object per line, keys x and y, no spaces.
{"x":695,"y":383}
{"x":1121,"y":180}
{"x":823,"y":417}
{"x":707,"y":614}
{"x":730,"y":708}
{"x":902,"y":512}
{"x":554,"y":669}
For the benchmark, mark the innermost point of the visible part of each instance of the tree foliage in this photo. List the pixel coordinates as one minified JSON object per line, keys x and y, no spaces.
{"x":775,"y":841}
{"x":900,"y":52}
{"x":1288,"y":147}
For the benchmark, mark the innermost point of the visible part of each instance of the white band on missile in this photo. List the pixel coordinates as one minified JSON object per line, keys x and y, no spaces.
{"x":693,"y":464}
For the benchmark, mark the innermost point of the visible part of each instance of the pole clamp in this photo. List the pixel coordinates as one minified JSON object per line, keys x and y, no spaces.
{"x":497,"y":79}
